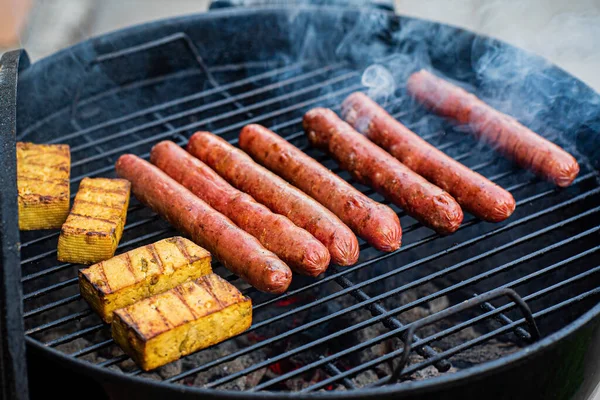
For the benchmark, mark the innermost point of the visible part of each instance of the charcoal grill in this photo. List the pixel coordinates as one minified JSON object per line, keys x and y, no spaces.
{"x":530,"y":283}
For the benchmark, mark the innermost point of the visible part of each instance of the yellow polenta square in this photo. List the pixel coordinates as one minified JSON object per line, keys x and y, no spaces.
{"x":187,"y":318}
{"x":95,"y":225}
{"x":43,"y":185}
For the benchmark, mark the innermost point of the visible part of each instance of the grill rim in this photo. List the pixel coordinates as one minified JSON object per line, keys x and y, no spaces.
{"x":478,"y":371}
{"x":13,"y":377}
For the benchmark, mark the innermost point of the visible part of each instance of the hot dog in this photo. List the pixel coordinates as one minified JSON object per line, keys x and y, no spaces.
{"x":295,"y":246}
{"x":376,"y":223}
{"x":515,"y":141}
{"x":473,"y":192}
{"x":282,"y":198}
{"x":240,"y":252}
{"x":373,"y":166}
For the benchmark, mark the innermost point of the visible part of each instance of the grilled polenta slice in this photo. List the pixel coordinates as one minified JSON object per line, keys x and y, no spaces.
{"x":141,"y":273}
{"x":190,"y":317}
{"x":95,"y":225}
{"x":43,"y":185}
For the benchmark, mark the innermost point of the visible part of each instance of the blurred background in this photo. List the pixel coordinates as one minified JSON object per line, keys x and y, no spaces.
{"x":565,"y":32}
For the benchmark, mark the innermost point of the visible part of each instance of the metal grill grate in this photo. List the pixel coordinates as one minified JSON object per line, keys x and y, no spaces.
{"x":544,"y":251}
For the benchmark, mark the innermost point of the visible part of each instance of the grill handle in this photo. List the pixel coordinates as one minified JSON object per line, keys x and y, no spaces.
{"x":13,"y":367}
{"x":480,"y":299}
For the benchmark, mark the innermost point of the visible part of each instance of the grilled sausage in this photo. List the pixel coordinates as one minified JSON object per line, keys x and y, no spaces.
{"x":515,"y":141}
{"x":373,"y":166}
{"x":240,"y":252}
{"x":473,"y":192}
{"x":282,"y":198}
{"x":378,"y":224}
{"x":295,"y":246}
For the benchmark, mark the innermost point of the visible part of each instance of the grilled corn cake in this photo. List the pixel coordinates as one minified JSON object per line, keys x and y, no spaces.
{"x":190,"y":317}
{"x":43,"y":185}
{"x":94,"y":227}
{"x":140,"y":273}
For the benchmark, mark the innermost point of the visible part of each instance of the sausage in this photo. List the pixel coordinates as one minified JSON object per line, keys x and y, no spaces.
{"x":373,"y":166}
{"x":476,"y":194}
{"x":378,"y":224}
{"x":515,"y":141}
{"x":295,"y":246}
{"x":240,"y":252}
{"x":282,"y":198}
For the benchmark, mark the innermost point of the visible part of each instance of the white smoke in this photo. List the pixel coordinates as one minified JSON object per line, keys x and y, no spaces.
{"x":380,"y":82}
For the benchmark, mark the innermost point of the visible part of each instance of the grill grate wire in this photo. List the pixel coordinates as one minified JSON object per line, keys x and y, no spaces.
{"x":282,"y":111}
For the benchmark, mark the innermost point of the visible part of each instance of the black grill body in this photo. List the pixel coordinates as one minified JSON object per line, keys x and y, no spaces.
{"x":125,"y":91}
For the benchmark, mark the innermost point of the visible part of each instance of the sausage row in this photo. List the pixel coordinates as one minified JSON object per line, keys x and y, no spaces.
{"x":373,"y":166}
{"x":240,"y":252}
{"x":295,"y":246}
{"x":241,"y":171}
{"x":473,"y":192}
{"x":257,"y":223}
{"x":378,"y":224}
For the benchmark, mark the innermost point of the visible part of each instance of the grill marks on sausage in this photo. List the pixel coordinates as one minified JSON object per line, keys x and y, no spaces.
{"x":373,"y":166}
{"x":376,"y":223}
{"x":241,"y":171}
{"x":239,"y":251}
{"x":297,"y":247}
{"x":473,"y":192}
{"x":515,"y":141}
